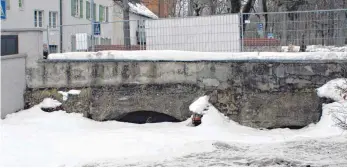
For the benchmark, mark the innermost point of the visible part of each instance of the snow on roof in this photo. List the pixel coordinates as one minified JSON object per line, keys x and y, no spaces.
{"x":142,"y":10}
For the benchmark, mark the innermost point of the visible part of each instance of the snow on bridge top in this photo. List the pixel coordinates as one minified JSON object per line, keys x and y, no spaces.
{"x":174,"y":55}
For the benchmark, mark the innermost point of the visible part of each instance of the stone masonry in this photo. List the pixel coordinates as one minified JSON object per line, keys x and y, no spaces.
{"x":257,"y":94}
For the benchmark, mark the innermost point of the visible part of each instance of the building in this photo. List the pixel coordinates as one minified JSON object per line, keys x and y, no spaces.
{"x":137,"y":16}
{"x":159,"y":7}
{"x":76,"y":31}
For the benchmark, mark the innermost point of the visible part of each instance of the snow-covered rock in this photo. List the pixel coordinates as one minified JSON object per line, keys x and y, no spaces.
{"x":50,"y":103}
{"x":334,"y":89}
{"x":70,"y":92}
{"x":200,"y":106}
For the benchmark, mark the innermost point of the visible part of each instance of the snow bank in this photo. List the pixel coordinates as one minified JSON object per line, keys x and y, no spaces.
{"x":290,"y":48}
{"x":142,"y":10}
{"x":314,"y":48}
{"x":320,"y":48}
{"x":175,"y":55}
{"x":35,"y":138}
{"x":50,"y":103}
{"x":71,"y":92}
{"x":334,"y":89}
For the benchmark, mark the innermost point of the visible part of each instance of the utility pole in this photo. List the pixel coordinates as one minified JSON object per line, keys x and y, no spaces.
{"x":92,"y":24}
{"x":126,"y":24}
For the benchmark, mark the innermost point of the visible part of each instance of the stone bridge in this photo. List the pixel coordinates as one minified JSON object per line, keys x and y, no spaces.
{"x":267,"y":94}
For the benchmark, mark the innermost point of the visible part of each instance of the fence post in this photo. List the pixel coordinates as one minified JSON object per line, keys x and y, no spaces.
{"x":241,"y":29}
{"x":92,"y":41}
{"x":342,"y":34}
{"x":284,"y":32}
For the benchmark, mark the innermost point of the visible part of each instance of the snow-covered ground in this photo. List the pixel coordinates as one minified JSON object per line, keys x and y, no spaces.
{"x":36,"y":138}
{"x":175,"y":55}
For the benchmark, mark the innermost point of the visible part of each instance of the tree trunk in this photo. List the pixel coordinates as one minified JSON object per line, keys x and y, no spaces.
{"x":246,"y":10}
{"x":235,"y":6}
{"x":265,"y":15}
{"x":212,"y":5}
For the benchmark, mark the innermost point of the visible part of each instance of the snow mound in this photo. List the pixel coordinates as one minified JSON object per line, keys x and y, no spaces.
{"x":290,"y":48}
{"x":175,"y":55}
{"x":50,"y":103}
{"x":200,"y":106}
{"x":211,"y":116}
{"x":335,"y":89}
{"x":142,"y":10}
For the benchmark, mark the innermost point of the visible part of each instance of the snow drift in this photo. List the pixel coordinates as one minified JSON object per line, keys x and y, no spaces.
{"x":335,"y":89}
{"x":35,"y":138}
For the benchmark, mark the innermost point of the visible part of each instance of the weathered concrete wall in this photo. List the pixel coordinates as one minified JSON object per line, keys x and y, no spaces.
{"x":257,"y":94}
{"x":12,"y":83}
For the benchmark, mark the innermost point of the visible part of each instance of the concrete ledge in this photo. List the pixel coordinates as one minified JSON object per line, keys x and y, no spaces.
{"x":14,"y":56}
{"x":23,"y":30}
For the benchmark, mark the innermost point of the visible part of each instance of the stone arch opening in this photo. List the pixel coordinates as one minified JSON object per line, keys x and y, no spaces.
{"x":143,"y":117}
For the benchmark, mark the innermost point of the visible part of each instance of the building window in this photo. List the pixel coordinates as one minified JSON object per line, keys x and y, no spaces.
{"x":53,"y":48}
{"x":77,"y":8}
{"x":94,"y":12}
{"x":88,"y":10}
{"x":38,"y":18}
{"x":20,"y":4}
{"x":101,"y":13}
{"x":106,"y":13}
{"x":53,"y":19}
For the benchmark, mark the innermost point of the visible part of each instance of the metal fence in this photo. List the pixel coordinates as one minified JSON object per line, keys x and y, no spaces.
{"x":217,"y":33}
{"x":270,"y":31}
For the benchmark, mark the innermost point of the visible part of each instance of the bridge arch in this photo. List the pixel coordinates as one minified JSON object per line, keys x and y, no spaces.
{"x":143,"y":117}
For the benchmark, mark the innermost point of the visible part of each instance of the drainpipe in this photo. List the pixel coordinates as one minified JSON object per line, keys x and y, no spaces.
{"x":92,"y":24}
{"x":61,"y":25}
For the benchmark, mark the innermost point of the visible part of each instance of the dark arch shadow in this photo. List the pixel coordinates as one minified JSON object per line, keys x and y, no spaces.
{"x":142,"y":117}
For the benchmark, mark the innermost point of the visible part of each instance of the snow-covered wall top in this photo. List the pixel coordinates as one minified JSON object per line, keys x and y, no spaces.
{"x":173,"y":55}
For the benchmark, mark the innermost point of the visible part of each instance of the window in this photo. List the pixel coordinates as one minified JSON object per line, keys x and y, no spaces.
{"x":106,"y":13}
{"x":38,"y":18}
{"x":88,"y":10}
{"x":20,"y":4}
{"x":53,"y":19}
{"x":53,"y":48}
{"x":94,"y":12}
{"x":77,"y":8}
{"x":101,"y":13}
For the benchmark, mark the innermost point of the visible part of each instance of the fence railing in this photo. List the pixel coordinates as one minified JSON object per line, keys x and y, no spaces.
{"x":269,"y":31}
{"x":217,"y":33}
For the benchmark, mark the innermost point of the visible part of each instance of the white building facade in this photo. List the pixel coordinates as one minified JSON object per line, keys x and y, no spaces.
{"x":76,"y":20}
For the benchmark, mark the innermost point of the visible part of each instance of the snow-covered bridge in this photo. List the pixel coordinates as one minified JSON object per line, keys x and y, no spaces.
{"x":278,"y":91}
